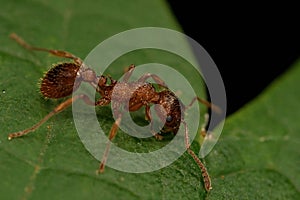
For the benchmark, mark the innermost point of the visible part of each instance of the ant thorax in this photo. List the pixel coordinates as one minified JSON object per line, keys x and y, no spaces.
{"x":134,"y":92}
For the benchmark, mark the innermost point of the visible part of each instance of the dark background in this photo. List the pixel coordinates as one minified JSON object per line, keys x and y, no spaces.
{"x":250,"y":44}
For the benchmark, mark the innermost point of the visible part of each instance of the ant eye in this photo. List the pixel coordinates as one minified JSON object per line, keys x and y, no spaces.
{"x":169,"y":118}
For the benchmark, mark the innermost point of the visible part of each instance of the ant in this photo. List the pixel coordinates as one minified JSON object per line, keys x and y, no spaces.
{"x":60,"y":82}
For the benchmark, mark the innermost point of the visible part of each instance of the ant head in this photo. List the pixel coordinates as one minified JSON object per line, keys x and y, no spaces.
{"x":59,"y":81}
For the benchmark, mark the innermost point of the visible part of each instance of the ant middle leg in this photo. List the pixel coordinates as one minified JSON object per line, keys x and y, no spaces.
{"x":143,"y":78}
{"x":156,"y":78}
{"x":56,"y":110}
{"x":128,"y":72}
{"x":111,"y":136}
{"x":58,"y":53}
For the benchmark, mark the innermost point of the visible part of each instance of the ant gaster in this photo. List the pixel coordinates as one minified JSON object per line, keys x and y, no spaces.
{"x":60,"y":82}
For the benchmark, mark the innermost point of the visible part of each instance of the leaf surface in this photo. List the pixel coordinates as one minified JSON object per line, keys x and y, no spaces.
{"x":257,"y":156}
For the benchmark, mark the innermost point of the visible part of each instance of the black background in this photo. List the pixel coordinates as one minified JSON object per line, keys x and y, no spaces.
{"x":251,"y":44}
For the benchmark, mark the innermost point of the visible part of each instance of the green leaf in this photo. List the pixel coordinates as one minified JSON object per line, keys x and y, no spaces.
{"x":52,"y":163}
{"x":256,"y":157}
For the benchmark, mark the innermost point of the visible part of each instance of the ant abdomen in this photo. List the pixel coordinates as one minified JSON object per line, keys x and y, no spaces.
{"x":59,"y":81}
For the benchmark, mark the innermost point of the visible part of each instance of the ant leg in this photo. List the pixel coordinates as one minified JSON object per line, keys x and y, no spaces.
{"x":128,"y":73}
{"x":102,"y":102}
{"x":58,"y":53}
{"x":156,"y":78}
{"x":112,"y":134}
{"x":213,"y":107}
{"x":149,"y":118}
{"x":206,"y":116}
{"x":142,"y":79}
{"x":204,"y":125}
{"x":205,"y":176}
{"x":56,"y":110}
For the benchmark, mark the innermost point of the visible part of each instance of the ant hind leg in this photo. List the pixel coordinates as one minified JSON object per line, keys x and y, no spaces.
{"x":56,"y":110}
{"x":58,"y":53}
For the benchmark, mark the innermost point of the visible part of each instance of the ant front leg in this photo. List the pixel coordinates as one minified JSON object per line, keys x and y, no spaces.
{"x":56,"y":110}
{"x":209,"y":105}
{"x":148,"y":117}
{"x":204,"y":125}
{"x":58,"y":53}
{"x":205,"y":175}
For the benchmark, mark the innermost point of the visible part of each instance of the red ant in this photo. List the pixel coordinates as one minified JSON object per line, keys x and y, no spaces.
{"x":59,"y":82}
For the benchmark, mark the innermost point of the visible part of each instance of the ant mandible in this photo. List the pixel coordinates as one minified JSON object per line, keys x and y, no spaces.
{"x":60,"y":82}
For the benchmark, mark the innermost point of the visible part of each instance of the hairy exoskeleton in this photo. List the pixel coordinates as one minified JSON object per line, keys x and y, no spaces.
{"x":60,"y":82}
